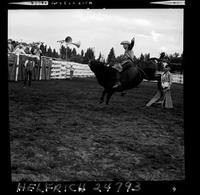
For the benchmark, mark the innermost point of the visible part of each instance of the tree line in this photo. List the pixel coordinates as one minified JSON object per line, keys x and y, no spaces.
{"x":69,"y":54}
{"x":175,"y":59}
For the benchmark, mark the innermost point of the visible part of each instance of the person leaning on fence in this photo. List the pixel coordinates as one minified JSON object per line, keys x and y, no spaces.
{"x":29,"y":65}
{"x":37,"y":52}
{"x":19,"y":49}
{"x":128,"y":56}
{"x":10,"y":45}
{"x":27,"y":50}
{"x":163,"y":95}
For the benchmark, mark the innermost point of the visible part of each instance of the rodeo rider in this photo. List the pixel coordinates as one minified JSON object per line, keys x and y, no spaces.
{"x":127,"y":57}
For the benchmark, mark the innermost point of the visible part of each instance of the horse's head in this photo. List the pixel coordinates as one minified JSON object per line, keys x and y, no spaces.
{"x":96,"y":65}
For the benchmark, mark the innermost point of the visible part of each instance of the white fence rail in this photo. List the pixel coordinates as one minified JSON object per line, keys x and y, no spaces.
{"x":60,"y":70}
{"x":177,"y":78}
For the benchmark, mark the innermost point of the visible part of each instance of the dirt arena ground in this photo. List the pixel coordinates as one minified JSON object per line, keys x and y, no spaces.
{"x":59,"y":132}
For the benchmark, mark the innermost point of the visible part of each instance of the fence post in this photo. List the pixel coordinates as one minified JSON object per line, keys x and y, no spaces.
{"x":181,"y":79}
{"x":40,"y":78}
{"x":17,"y":68}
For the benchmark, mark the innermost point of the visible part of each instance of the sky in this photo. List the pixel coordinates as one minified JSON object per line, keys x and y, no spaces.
{"x":155,"y":30}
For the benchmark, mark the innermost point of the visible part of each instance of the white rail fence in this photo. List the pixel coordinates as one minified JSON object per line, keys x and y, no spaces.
{"x":60,"y":70}
{"x":177,"y":78}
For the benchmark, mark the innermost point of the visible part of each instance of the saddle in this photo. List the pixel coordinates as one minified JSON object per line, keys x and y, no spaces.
{"x":126,"y":65}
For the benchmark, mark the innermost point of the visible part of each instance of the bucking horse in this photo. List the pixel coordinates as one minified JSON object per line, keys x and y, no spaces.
{"x":131,"y":76}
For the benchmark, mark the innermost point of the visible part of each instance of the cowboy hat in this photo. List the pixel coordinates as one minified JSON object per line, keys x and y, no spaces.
{"x":125,"y":42}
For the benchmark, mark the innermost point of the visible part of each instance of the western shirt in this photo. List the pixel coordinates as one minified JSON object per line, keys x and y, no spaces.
{"x":29,"y":65}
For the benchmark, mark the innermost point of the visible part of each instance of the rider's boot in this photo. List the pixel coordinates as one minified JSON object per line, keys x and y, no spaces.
{"x":118,"y":84}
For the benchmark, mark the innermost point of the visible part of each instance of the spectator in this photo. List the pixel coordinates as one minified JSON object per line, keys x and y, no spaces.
{"x":27,"y":50}
{"x":10,"y":45}
{"x":29,"y":65}
{"x":19,"y":49}
{"x":71,"y":70}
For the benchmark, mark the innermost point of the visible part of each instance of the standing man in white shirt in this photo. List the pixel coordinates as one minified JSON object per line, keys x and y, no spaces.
{"x":29,"y":65}
{"x":19,"y":50}
{"x":71,"y":71}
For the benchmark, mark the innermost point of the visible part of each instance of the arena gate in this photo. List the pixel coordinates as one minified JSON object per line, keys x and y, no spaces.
{"x":12,"y":62}
{"x":16,"y":69}
{"x":45,"y":71}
